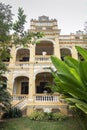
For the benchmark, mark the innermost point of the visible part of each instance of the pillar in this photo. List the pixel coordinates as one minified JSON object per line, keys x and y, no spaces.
{"x":32,"y":53}
{"x":31,"y":83}
{"x":74,"y":52}
{"x":57,"y":47}
{"x":10,"y":82}
{"x":13,"y":56}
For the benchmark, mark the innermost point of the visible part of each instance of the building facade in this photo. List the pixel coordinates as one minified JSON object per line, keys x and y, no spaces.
{"x":28,"y":73}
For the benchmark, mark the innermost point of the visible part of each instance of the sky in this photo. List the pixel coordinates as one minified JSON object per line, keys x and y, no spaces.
{"x":70,"y":14}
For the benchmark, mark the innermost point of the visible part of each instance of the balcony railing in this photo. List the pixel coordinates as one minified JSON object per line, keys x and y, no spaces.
{"x":19,"y":96}
{"x":38,"y":97}
{"x":46,"y":98}
{"x":41,"y":58}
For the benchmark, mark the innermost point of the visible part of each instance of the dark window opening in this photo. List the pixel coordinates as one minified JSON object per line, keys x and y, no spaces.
{"x":24,"y":88}
{"x":43,"y":88}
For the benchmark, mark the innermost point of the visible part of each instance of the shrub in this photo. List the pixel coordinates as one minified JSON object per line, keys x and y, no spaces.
{"x":48,"y":115}
{"x":12,"y":113}
{"x":37,"y":115}
{"x":59,"y":116}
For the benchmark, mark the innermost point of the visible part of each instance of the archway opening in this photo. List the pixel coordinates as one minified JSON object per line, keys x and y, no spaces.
{"x":65,"y":52}
{"x":23,"y":55}
{"x":21,"y":85}
{"x":43,"y":81}
{"x":44,"y":48}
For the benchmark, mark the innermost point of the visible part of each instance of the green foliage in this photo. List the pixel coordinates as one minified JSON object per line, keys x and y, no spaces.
{"x":21,"y":36}
{"x":5,"y":23}
{"x":59,"y":116}
{"x":12,"y":113}
{"x":48,"y":116}
{"x":37,"y":115}
{"x":54,"y":116}
{"x":18,"y":26}
{"x":5,"y":98}
{"x":71,"y":77}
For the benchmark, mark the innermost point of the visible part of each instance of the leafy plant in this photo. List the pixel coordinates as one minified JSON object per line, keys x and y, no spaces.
{"x":12,"y":113}
{"x":59,"y":116}
{"x":71,"y":76}
{"x":37,"y":115}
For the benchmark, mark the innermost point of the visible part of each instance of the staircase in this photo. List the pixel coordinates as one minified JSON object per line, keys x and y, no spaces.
{"x":22,"y":104}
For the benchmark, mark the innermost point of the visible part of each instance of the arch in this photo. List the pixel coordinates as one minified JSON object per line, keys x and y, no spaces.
{"x":66,"y":48}
{"x":21,"y":75}
{"x":21,"y":85}
{"x":41,"y":71}
{"x":22,"y":55}
{"x":45,"y":39}
{"x":45,"y":46}
{"x":65,"y":51}
{"x":43,"y":79}
{"x":20,"y":47}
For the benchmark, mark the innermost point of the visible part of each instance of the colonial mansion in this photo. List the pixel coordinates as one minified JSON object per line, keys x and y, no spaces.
{"x":28,"y":73}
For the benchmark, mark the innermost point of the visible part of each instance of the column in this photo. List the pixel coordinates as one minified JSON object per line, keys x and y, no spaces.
{"x":10,"y":82}
{"x":32,"y":53}
{"x":13,"y":56}
{"x":31,"y":83}
{"x":74,"y":52}
{"x":57,"y":47}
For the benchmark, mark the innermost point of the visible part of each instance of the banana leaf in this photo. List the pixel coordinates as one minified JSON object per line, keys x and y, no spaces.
{"x":69,"y":73}
{"x":71,"y":62}
{"x":80,"y":104}
{"x":82,"y":51}
{"x":83,"y":72}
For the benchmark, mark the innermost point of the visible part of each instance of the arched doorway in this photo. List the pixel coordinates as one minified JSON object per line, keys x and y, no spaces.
{"x":44,"y":47}
{"x":43,"y":80}
{"x":21,"y":85}
{"x":23,"y":55}
{"x":65,"y":52}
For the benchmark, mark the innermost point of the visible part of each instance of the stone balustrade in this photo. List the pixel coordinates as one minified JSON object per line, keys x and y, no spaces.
{"x":46,"y":98}
{"x":19,"y":96}
{"x":41,"y":58}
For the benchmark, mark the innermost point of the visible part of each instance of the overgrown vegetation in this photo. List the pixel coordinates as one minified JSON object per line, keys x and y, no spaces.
{"x":12,"y":113}
{"x":40,"y":115}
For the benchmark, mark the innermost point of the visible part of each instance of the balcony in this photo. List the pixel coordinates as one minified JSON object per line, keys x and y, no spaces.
{"x":19,"y":96}
{"x":41,"y":58}
{"x":21,"y":101}
{"x":38,"y":97}
{"x":46,"y":98}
